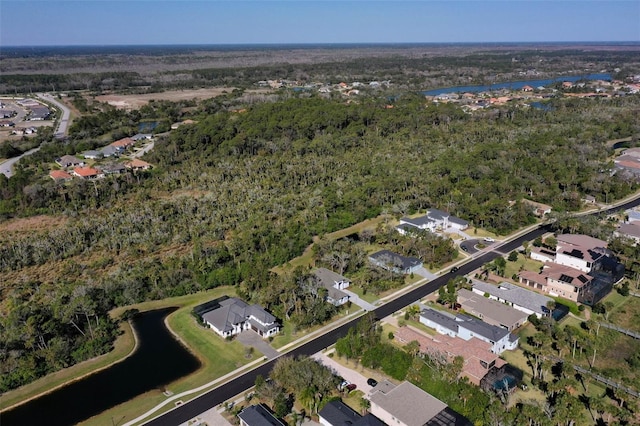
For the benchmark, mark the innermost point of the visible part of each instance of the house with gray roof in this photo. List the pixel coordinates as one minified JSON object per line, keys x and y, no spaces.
{"x":491,"y":311}
{"x":232,"y":316}
{"x":408,"y":405}
{"x":527,"y":301}
{"x":434,"y":220}
{"x":92,"y":155}
{"x":466,"y":327}
{"x":395,"y":262}
{"x":337,"y":413}
{"x":334,"y":283}
{"x":109,"y":151}
{"x":69,"y":161}
{"x":258,"y":415}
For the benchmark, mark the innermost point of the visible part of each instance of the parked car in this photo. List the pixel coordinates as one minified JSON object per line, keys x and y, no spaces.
{"x":454,"y":270}
{"x":489,"y":240}
{"x":372,"y":382}
{"x":351,"y":387}
{"x":343,"y":385}
{"x":464,"y":248}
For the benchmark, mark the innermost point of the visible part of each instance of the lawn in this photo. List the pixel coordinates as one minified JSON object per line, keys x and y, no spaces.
{"x":626,"y":311}
{"x":523,"y":263}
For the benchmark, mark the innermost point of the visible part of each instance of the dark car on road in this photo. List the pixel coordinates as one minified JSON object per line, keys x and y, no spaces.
{"x":454,"y":270}
{"x":372,"y":382}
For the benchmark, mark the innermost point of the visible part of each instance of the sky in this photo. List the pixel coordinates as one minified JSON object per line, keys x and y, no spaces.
{"x":139,"y":22}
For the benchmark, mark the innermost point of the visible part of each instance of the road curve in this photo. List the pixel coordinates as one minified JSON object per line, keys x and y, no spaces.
{"x":237,"y":386}
{"x":63,"y":123}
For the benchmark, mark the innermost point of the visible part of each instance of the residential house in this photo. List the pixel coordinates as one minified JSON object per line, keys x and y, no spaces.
{"x":112,"y":168}
{"x":60,"y":175}
{"x":559,"y":280}
{"x":258,"y":415}
{"x":491,"y":311}
{"x":7,"y":123}
{"x":92,"y":155}
{"x":69,"y":161}
{"x":337,"y":413}
{"x":477,"y":355}
{"x":466,"y":327}
{"x":110,"y":151}
{"x":589,"y":199}
{"x":630,"y":231}
{"x":515,"y":296}
{"x":633,"y":216}
{"x":539,"y":209}
{"x":141,"y":136}
{"x":88,"y":173}
{"x":123,"y":144}
{"x":434,"y":220}
{"x":581,"y":252}
{"x":137,"y":165}
{"x":176,"y":125}
{"x":334,"y":283}
{"x":7,"y":113}
{"x":395,"y":262}
{"x":39,"y":113}
{"x":232,"y":316}
{"x":408,"y":405}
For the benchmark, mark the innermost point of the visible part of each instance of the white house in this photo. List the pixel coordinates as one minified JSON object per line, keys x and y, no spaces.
{"x":580,"y":252}
{"x":466,"y":327}
{"x":334,"y":283}
{"x":233,"y":316}
{"x":434,"y":220}
{"x":515,"y":296}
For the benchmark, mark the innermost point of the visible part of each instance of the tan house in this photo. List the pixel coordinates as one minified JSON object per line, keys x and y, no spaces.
{"x":404,"y":404}
{"x":137,"y":164}
{"x":559,"y":280}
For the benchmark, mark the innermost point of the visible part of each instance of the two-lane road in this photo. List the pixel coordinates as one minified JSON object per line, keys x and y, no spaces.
{"x":63,"y":123}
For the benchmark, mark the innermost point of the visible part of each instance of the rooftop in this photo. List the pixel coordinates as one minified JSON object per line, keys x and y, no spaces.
{"x":485,"y":307}
{"x":481,"y":328}
{"x":407,"y":402}
{"x":515,"y":294}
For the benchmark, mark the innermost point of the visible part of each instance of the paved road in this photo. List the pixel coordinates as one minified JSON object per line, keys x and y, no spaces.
{"x":469,"y":246}
{"x":245,"y":381}
{"x":7,"y":166}
{"x":63,"y":123}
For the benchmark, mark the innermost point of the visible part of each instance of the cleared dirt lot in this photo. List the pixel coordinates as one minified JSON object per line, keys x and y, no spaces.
{"x":137,"y":101}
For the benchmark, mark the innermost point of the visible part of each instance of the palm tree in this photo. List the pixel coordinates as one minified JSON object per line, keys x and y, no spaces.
{"x":365,"y":404}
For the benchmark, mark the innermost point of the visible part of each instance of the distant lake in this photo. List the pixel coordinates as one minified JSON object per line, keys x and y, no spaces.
{"x":159,"y":360}
{"x":515,"y":85}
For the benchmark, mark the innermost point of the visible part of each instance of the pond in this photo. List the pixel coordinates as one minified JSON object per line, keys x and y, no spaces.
{"x":159,"y":360}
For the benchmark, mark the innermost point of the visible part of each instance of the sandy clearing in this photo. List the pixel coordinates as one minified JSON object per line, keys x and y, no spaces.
{"x":34,"y":223}
{"x":137,"y":101}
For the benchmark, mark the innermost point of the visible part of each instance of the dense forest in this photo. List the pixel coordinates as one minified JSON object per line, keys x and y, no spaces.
{"x":240,"y":192}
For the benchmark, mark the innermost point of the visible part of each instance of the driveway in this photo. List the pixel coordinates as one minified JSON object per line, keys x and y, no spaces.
{"x":469,"y":246}
{"x":251,"y":338}
{"x":355,"y":299}
{"x":346,"y":373}
{"x":424,"y":272}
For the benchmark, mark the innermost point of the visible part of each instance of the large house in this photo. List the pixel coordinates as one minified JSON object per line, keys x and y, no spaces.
{"x":477,"y":355}
{"x":87,"y":173}
{"x":434,"y":220}
{"x":258,"y":415}
{"x":467,"y":327}
{"x":491,"y":311}
{"x":515,"y":296}
{"x":559,"y":280}
{"x":408,"y":405}
{"x":334,"y":283}
{"x":581,"y":252}
{"x":232,"y":316}
{"x":630,"y":231}
{"x":395,"y":262}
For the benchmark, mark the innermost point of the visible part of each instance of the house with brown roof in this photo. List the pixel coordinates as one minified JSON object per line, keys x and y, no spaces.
{"x":123,"y":144}
{"x":559,"y":280}
{"x":137,"y":164}
{"x":581,"y":251}
{"x":630,"y":231}
{"x":477,"y":355}
{"x":87,"y":173}
{"x":60,"y":175}
{"x":539,"y":209}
